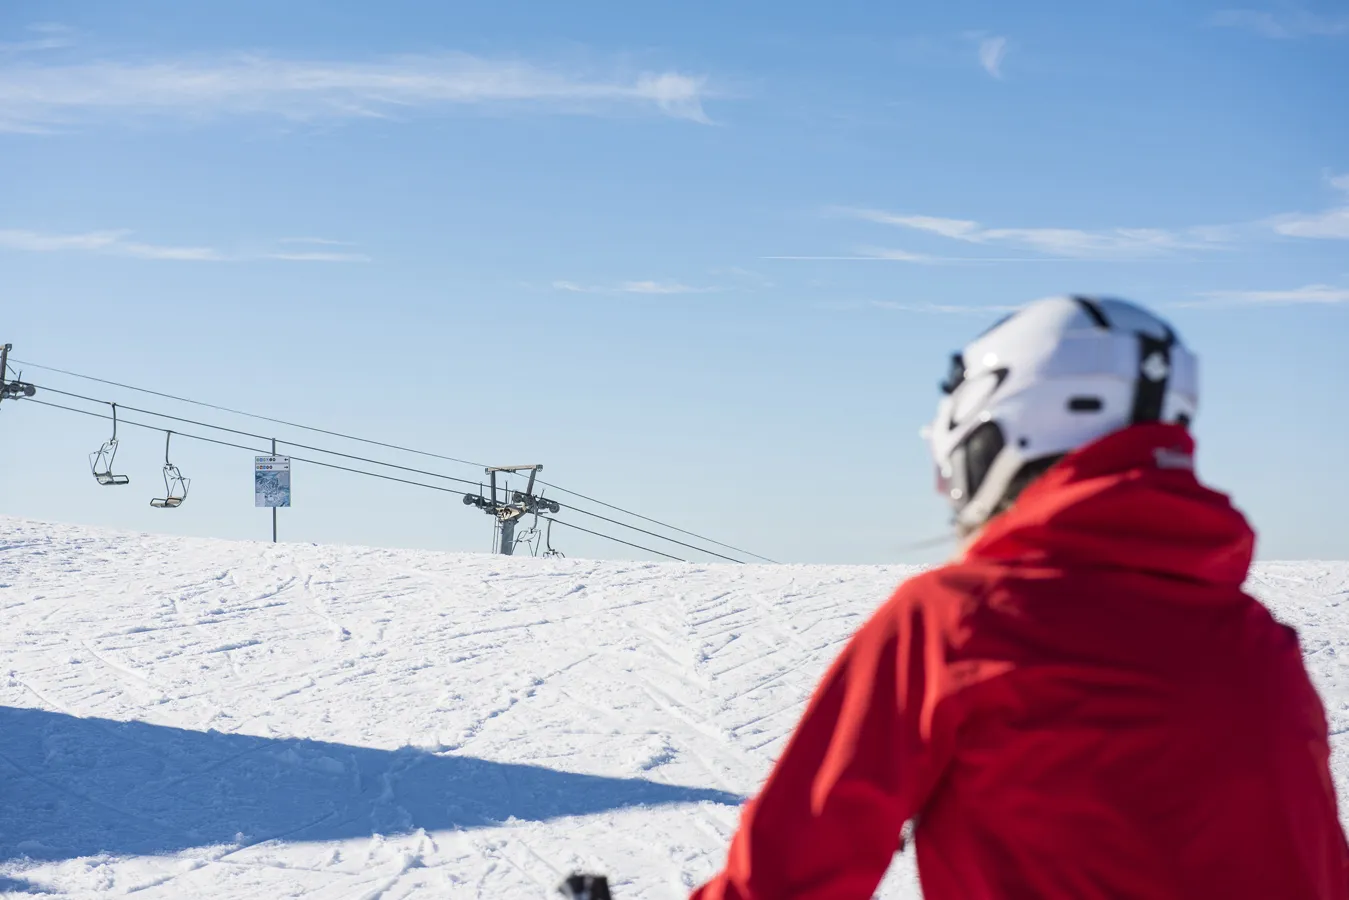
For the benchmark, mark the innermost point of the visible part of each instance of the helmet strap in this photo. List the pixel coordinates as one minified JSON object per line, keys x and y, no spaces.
{"x":1154,"y":371}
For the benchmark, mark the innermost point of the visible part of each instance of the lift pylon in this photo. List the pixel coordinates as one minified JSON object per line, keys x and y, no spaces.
{"x":509,"y":509}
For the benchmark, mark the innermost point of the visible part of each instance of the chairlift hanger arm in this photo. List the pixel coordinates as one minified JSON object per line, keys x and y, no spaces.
{"x":101,"y":460}
{"x":175,"y":485}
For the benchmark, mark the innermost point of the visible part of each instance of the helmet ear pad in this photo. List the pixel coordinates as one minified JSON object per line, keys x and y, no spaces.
{"x":1057,"y":375}
{"x":980,"y":449}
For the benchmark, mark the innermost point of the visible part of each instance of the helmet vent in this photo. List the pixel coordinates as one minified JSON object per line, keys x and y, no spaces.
{"x":955,"y":374}
{"x":1085,"y":404}
{"x":1094,"y":311}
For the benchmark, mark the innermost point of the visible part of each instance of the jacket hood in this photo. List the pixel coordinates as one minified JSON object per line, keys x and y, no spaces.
{"x":1131,"y":501}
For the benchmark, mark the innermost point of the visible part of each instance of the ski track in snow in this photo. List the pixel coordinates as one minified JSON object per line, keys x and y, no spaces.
{"x":188,"y":717}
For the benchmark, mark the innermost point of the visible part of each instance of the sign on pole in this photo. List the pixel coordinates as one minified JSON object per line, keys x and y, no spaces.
{"x":271,"y":481}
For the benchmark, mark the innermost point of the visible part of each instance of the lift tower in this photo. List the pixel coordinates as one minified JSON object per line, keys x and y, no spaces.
{"x":509,"y":509}
{"x":11,"y":390}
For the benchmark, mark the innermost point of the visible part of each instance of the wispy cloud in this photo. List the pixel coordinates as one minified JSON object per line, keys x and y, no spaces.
{"x":1312,"y":294}
{"x":37,"y":97}
{"x":1293,"y":23}
{"x":1071,"y":243}
{"x":323,"y":255}
{"x":1331,"y":223}
{"x":991,"y":53}
{"x":895,"y":255}
{"x":633,"y":287}
{"x":661,"y":287}
{"x":747,"y":278}
{"x":1320,"y":294}
{"x":41,"y":36}
{"x":112,"y":243}
{"x":858,"y":257}
{"x":324,"y":242}
{"x":874,"y":254}
{"x":319,"y":256}
{"x":884,"y":254}
{"x":1058,"y":244}
{"x":940,"y":308}
{"x":118,"y":243}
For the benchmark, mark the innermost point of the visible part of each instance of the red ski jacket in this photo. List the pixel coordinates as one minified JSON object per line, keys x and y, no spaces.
{"x":1084,"y":706}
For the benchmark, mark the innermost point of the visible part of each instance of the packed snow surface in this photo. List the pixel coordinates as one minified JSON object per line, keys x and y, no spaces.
{"x":203,"y":718}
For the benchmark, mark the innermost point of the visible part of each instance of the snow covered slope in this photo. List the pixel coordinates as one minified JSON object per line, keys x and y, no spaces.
{"x":213,"y":719}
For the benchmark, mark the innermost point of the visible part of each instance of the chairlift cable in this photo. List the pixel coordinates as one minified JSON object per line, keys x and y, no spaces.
{"x":262,"y":437}
{"x":652,"y":533}
{"x":417,"y":471}
{"x":389,"y":446}
{"x":432,"y":487}
{"x":198,"y":437}
{"x":240,"y":412}
{"x":614,"y":539}
{"x":629,"y":512}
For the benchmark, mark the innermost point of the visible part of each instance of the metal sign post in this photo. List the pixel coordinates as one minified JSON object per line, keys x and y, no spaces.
{"x":271,"y":483}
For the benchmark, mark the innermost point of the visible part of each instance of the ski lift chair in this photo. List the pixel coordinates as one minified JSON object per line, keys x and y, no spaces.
{"x":175,"y":485}
{"x":100,"y":461}
{"x":551,"y":552}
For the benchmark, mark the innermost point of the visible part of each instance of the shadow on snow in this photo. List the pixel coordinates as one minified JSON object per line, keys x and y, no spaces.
{"x":77,"y":787}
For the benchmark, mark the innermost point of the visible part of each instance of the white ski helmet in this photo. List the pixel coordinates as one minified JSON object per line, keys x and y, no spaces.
{"x":1046,"y":380}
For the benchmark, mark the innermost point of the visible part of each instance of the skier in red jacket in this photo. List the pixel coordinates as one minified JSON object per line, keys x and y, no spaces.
{"x":1084,"y":704}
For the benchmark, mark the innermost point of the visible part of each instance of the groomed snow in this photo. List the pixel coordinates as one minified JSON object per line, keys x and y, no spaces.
{"x":201,"y":718}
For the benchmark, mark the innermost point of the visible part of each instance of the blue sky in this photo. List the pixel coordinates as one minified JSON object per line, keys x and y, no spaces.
{"x":705,"y":261}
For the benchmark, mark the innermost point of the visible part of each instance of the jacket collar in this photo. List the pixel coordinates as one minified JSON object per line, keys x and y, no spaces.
{"x":1128,"y":501}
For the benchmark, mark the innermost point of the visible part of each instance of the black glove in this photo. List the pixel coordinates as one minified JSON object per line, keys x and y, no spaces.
{"x":585,"y":887}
